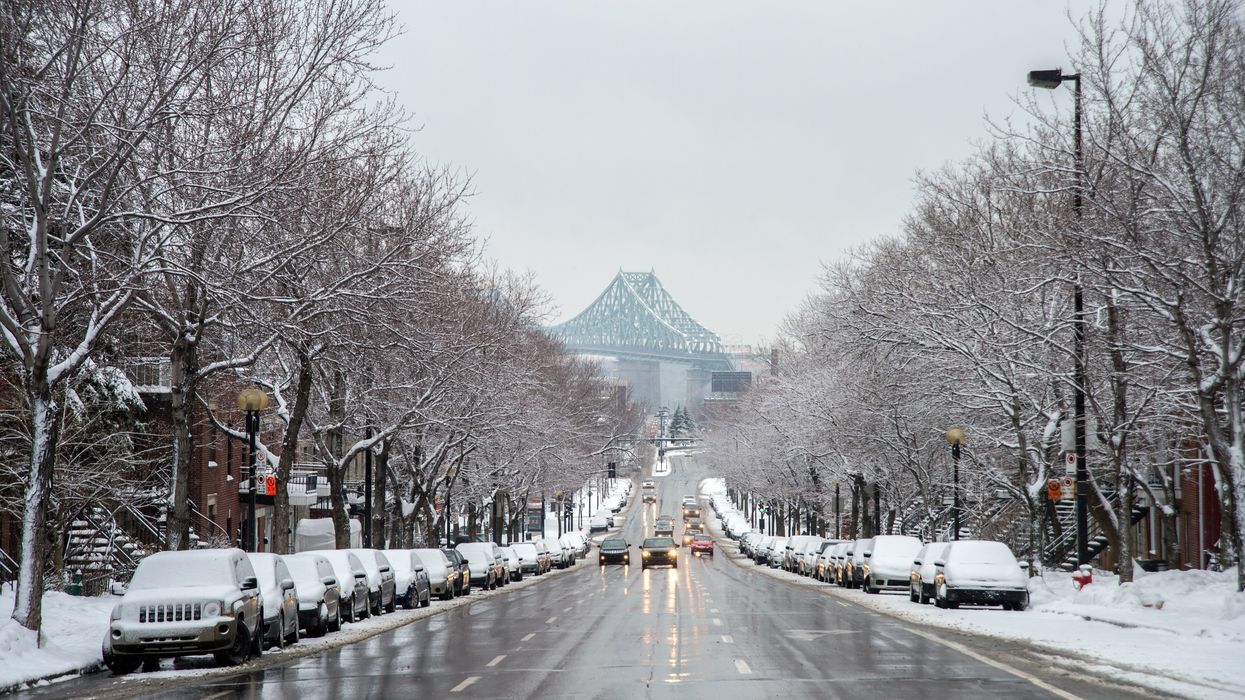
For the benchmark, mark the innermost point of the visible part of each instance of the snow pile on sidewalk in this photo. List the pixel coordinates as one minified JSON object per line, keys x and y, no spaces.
{"x":73,"y":629}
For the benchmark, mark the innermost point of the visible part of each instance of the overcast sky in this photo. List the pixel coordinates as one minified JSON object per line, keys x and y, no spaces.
{"x":730,"y":146}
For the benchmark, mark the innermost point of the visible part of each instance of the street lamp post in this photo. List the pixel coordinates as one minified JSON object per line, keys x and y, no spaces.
{"x":838,"y":515}
{"x":449,"y":488}
{"x":367,"y":492}
{"x":253,"y":401}
{"x":955,"y":437}
{"x":1051,"y":79}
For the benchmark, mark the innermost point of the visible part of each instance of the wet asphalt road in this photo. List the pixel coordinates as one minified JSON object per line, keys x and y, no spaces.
{"x":710,"y":628}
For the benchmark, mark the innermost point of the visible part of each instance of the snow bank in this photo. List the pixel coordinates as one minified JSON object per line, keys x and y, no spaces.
{"x":73,"y":629}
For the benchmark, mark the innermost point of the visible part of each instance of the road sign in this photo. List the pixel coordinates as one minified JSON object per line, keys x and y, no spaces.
{"x":1067,"y":488}
{"x":1054,"y":489}
{"x":270,"y":486}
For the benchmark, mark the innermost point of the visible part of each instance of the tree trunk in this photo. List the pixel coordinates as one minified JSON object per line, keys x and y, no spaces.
{"x":337,"y":470}
{"x":45,"y":423}
{"x":380,"y":471}
{"x":183,"y":374}
{"x":289,"y":452}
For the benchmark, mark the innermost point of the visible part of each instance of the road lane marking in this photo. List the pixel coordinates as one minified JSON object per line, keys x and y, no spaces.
{"x":717,"y":621}
{"x":1058,"y":692}
{"x":528,"y":638}
{"x":550,"y":620}
{"x":496,"y":660}
{"x":742,"y":666}
{"x":465,"y":684}
{"x":727,"y":639}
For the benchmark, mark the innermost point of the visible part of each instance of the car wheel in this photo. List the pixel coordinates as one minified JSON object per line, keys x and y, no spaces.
{"x":337,"y":618}
{"x":868,"y":584}
{"x":1020,"y":605}
{"x":492,"y":586}
{"x":466,"y":590}
{"x":257,"y":638}
{"x":151,"y":664}
{"x":121,"y":665}
{"x":922,"y":596}
{"x":427,"y":600}
{"x":237,"y":652}
{"x":293,"y":638}
{"x":912,"y":594}
{"x":393,"y":604}
{"x":278,"y":634}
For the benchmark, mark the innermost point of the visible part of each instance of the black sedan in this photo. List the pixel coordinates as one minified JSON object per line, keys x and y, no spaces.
{"x":614,"y":551}
{"x":659,"y":551}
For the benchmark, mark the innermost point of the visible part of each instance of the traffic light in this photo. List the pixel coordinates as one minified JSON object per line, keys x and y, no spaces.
{"x":570,"y":508}
{"x":613,"y":470}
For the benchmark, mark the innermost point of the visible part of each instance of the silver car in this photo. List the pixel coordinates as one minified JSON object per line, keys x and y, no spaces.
{"x":319,"y":595}
{"x":276,"y":585}
{"x":202,"y":601}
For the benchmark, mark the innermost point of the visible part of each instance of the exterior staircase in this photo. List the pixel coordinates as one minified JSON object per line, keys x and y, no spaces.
{"x":1063,"y":548}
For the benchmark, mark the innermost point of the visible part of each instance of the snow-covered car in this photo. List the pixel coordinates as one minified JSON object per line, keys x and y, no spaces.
{"x":529,"y":558}
{"x":819,"y":565}
{"x":381,"y":590}
{"x":775,"y":552}
{"x":276,"y":585}
{"x":319,"y":596}
{"x":921,"y":574}
{"x":834,"y":561}
{"x":794,"y":551}
{"x":513,"y":563}
{"x":410,"y":578}
{"x":577,"y":542}
{"x":442,"y":576}
{"x":460,"y":565}
{"x":547,"y":549}
{"x":889,"y":563}
{"x":598,"y":523}
{"x":352,"y":578}
{"x":854,"y":569}
{"x":760,"y":550}
{"x":201,"y":601}
{"x":484,"y":569}
{"x":980,"y":572}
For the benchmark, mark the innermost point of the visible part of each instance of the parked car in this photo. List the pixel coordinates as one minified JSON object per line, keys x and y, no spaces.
{"x":200,"y":601}
{"x":760,"y":552}
{"x":614,"y":550}
{"x":834,"y":561}
{"x":545,"y":554}
{"x":410,"y":578}
{"x":795,"y":547}
{"x":854,"y":571}
{"x":840,"y":561}
{"x":443,"y":578}
{"x":598,"y":523}
{"x":921,"y":574}
{"x":980,"y":572}
{"x":484,"y":569}
{"x":889,"y":561}
{"x":352,"y":578}
{"x":502,"y":563}
{"x":381,"y":588}
{"x":513,"y":563}
{"x":529,"y":558}
{"x":577,"y":542}
{"x":464,"y":570}
{"x":702,"y":545}
{"x":777,"y":550}
{"x":276,"y":585}
{"x":747,"y":542}
{"x":820,"y":566}
{"x":659,"y":551}
{"x":319,"y":595}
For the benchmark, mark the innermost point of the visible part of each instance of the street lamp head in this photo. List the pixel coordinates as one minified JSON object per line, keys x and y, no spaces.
{"x":955,"y":436}
{"x":252,"y":399}
{"x":1049,"y":79}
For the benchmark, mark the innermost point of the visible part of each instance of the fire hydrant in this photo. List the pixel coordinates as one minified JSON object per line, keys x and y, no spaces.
{"x":1083,"y":576}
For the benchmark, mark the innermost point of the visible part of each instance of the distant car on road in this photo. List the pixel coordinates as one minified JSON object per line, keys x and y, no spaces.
{"x":614,"y":550}
{"x":702,"y":545}
{"x":690,"y":532}
{"x":659,"y":551}
{"x":598,"y":523}
{"x":664,"y":528}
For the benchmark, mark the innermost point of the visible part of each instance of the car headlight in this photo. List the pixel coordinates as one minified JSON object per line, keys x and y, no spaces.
{"x":865,"y":569}
{"x":211,"y":609}
{"x":646,"y":554}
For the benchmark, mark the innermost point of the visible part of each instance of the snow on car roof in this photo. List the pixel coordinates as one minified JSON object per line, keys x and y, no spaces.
{"x":978,"y":552}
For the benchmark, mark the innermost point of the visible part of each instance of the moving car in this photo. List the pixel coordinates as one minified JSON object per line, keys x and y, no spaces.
{"x":443,"y":576}
{"x":980,"y":572}
{"x":689,"y":532}
{"x":921,"y":574}
{"x":664,"y":527}
{"x":352,"y":579}
{"x":649,"y":492}
{"x":201,"y":601}
{"x":319,"y":595}
{"x":888,"y":562}
{"x":702,"y":545}
{"x":381,"y":589}
{"x":598,"y":523}
{"x":614,"y":550}
{"x":659,"y":551}
{"x":276,"y":585}
{"x":410,"y":578}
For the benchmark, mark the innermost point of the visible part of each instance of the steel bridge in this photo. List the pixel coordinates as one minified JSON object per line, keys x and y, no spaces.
{"x":637,"y":322}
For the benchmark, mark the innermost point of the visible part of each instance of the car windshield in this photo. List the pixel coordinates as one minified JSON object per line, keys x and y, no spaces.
{"x":659,"y":543}
{"x":178,"y":570}
{"x":264,"y":572}
{"x":614,"y":544}
{"x":302,"y":568}
{"x":702,"y":538}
